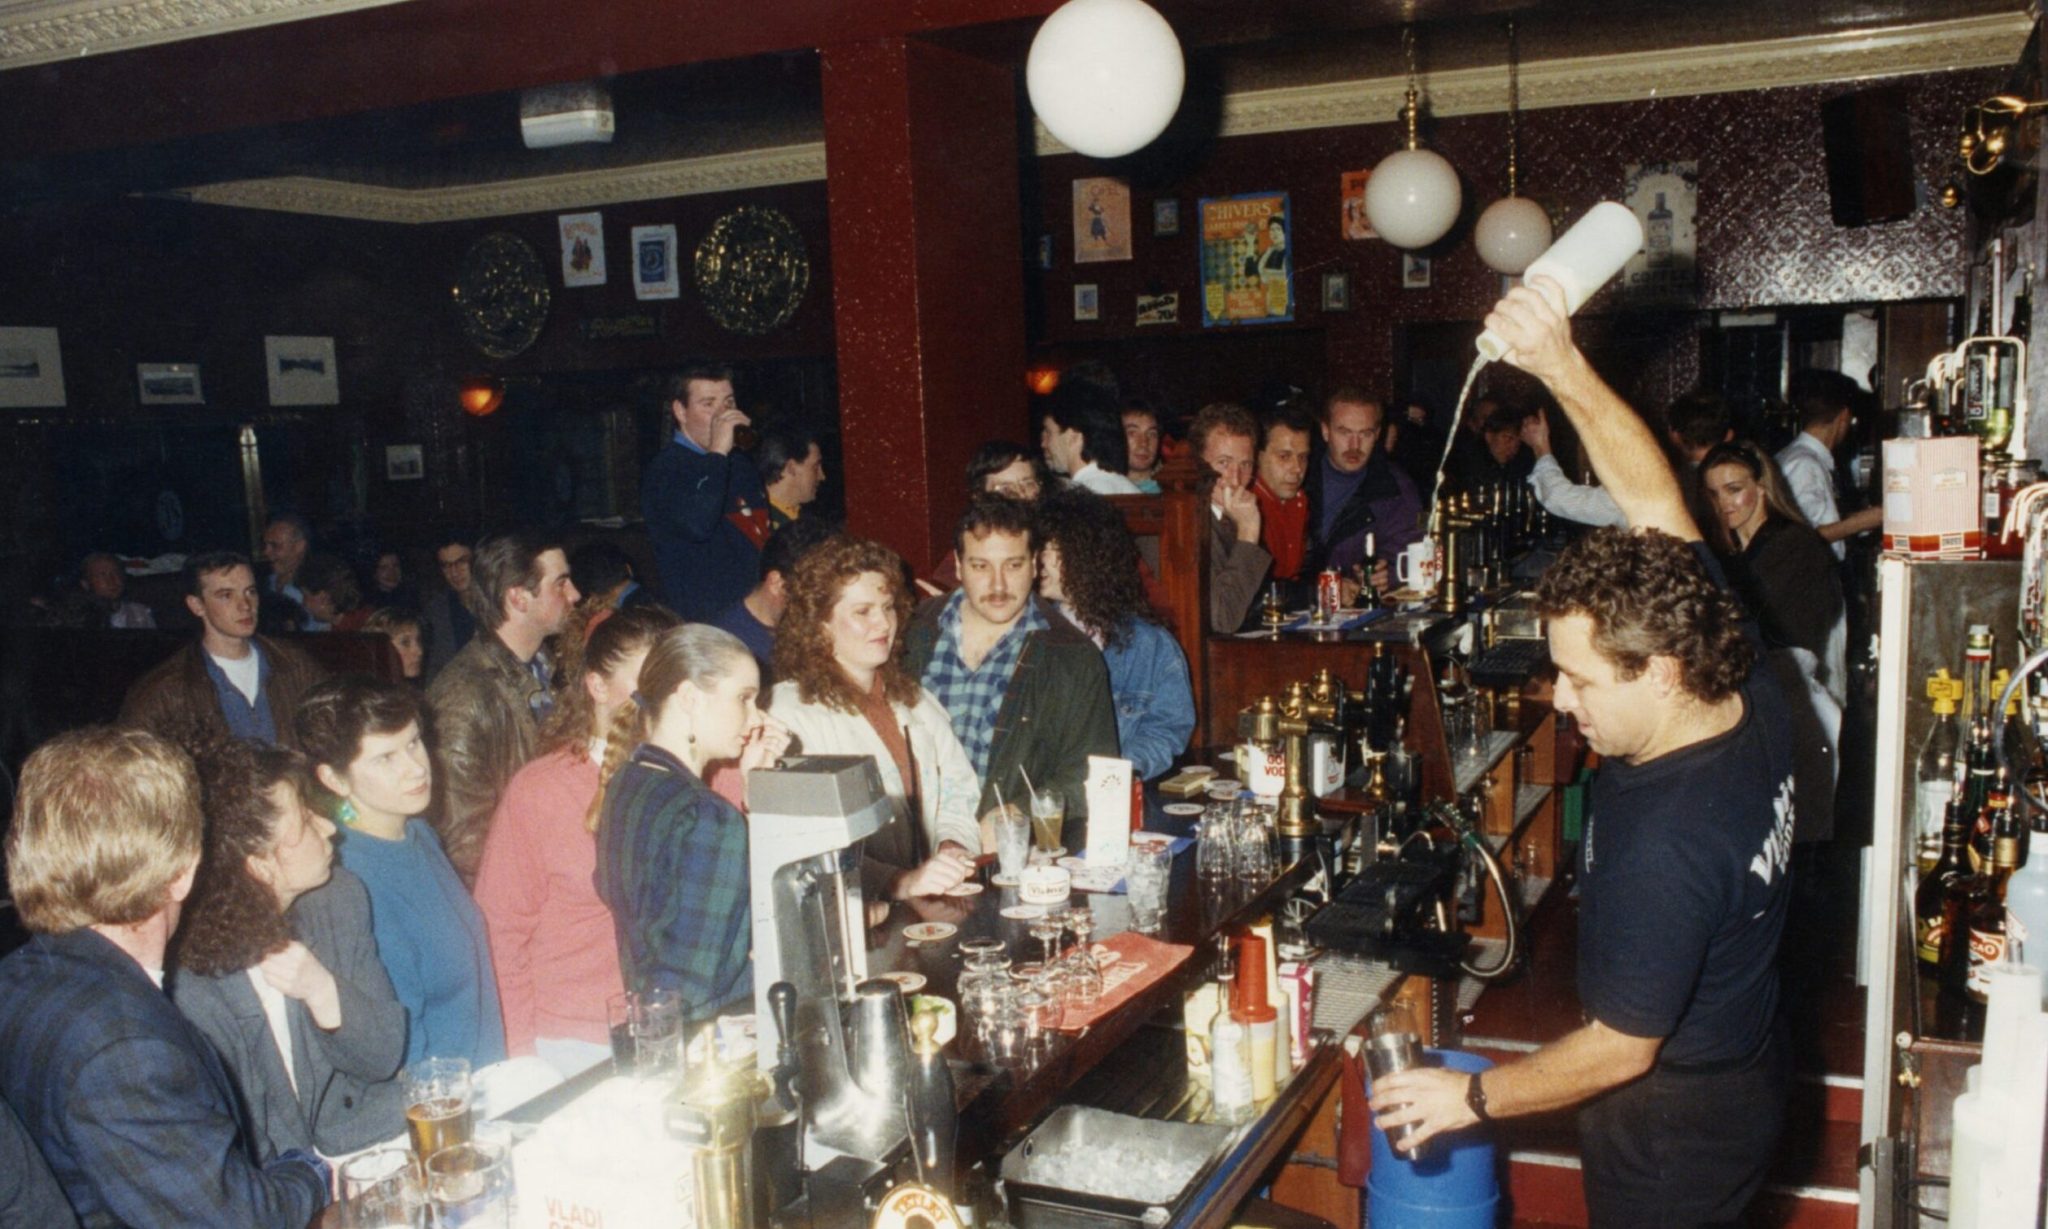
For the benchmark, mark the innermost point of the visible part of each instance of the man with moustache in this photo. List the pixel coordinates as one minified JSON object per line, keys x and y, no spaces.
{"x":230,"y":682}
{"x":1028,"y":691}
{"x":1356,"y":490}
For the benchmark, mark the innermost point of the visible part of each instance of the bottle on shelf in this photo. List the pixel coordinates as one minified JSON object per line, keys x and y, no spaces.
{"x":2026,"y":903}
{"x":1928,"y":898}
{"x":1988,"y":928}
{"x":1230,"y":1055}
{"x":1934,"y":774}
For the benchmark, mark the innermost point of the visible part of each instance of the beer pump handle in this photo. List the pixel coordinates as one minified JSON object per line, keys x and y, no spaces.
{"x":782,"y":1005}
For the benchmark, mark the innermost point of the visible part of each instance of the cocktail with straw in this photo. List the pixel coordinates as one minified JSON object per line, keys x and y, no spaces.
{"x":1048,"y":815}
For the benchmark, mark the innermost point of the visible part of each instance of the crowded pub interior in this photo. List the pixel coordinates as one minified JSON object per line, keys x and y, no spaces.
{"x":1059,"y":614}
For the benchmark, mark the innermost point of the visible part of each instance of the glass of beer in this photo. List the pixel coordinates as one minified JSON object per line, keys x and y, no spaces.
{"x":470,"y":1185}
{"x":1048,"y":816}
{"x":438,"y":1104}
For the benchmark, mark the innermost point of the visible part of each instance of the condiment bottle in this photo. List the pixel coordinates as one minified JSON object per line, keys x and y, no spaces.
{"x":1251,"y":1009}
{"x":1230,"y":1058}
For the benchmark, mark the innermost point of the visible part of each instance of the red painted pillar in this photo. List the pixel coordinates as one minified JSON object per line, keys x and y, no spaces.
{"x":927,"y":280}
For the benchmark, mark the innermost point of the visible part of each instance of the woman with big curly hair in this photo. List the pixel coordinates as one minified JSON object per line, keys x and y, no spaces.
{"x":552,"y":940}
{"x":844,"y":692}
{"x":276,"y":964}
{"x":1089,"y":566}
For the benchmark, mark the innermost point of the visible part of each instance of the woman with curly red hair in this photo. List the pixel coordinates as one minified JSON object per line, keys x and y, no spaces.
{"x":277,"y":936}
{"x":844,"y":692}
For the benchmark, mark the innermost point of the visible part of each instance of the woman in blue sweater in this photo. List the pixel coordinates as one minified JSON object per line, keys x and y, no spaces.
{"x":364,"y":739}
{"x":1088,"y":565}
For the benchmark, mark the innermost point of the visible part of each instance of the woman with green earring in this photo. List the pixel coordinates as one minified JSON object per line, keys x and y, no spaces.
{"x":364,"y":739}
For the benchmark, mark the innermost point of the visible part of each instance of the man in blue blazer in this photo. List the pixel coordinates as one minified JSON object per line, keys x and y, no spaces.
{"x":126,"y":1100}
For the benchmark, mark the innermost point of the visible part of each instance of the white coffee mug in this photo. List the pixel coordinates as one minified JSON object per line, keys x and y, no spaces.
{"x":1417,"y":566}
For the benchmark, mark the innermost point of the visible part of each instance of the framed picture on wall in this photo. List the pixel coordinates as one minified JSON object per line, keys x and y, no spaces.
{"x":1166,"y":216}
{"x":1102,"y":220}
{"x":168,"y":384}
{"x":1414,"y":271}
{"x":31,"y":370}
{"x":582,"y":248}
{"x":1246,"y":262}
{"x":654,"y":263}
{"x":1336,"y":292}
{"x":405,"y":462}
{"x":301,"y":371}
{"x":1087,"y":301}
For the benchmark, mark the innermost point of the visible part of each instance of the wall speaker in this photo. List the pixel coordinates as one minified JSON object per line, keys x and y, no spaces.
{"x":1869,"y":147}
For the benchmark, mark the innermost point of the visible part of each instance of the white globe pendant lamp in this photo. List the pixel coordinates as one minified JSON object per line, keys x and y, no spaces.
{"x":1105,"y":76}
{"x":1412,"y":198}
{"x":1514,"y":230}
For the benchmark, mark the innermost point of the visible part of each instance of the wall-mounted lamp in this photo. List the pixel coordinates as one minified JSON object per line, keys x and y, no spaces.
{"x":481,"y":395}
{"x":1987,"y":126}
{"x":1042,"y":379}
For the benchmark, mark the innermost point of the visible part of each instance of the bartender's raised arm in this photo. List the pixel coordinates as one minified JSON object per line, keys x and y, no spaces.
{"x":1618,"y":442}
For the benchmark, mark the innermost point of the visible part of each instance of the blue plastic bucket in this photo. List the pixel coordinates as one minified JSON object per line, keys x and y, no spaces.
{"x":1453,"y":1183}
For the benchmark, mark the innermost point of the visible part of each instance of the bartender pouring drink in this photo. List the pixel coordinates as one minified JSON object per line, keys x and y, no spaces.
{"x":1682,"y":1067}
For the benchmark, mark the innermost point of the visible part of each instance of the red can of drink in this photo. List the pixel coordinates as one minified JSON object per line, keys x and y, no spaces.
{"x":1329,"y":594}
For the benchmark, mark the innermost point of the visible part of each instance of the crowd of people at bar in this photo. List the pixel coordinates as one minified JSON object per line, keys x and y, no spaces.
{"x":334,"y":876}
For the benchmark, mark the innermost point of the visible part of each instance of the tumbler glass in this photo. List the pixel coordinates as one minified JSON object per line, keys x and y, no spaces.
{"x":439,"y":1104}
{"x":382,"y":1190}
{"x":1013,"y":840}
{"x":470,"y":1185}
{"x":646,"y":1031}
{"x":1146,"y":876}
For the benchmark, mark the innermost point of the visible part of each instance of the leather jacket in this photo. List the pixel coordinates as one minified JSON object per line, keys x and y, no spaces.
{"x":485,"y":730}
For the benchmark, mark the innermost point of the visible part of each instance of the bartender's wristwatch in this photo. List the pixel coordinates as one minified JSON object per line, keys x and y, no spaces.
{"x":1475,"y":1098}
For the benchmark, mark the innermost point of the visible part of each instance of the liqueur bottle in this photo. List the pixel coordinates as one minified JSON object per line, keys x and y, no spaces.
{"x":2026,"y":902}
{"x":1988,"y":929}
{"x":1928,"y":899}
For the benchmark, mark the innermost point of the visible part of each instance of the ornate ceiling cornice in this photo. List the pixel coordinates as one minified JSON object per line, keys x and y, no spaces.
{"x":37,"y":32}
{"x":754,"y":168}
{"x":1980,"y":42}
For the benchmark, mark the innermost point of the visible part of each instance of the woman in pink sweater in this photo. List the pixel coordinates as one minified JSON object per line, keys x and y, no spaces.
{"x":552,"y":940}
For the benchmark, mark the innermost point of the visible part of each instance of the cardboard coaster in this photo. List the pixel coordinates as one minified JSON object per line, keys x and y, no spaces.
{"x":1003,"y":881}
{"x":969,"y":888}
{"x":910,"y":982}
{"x":1024,"y":913}
{"x":930,"y":932}
{"x":1182,"y":808}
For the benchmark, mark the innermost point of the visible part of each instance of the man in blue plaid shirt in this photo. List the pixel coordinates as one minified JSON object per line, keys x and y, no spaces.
{"x":1028,"y":691}
{"x":127,"y":1101}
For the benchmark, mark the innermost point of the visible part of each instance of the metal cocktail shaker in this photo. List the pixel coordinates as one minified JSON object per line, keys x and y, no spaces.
{"x":1392,"y":1045}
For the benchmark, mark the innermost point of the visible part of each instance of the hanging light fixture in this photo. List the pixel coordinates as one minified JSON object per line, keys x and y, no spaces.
{"x":1514,"y":230}
{"x":1412,"y":198}
{"x":1105,"y":76}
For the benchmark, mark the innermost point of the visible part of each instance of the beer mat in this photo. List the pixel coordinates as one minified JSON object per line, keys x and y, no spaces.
{"x":1182,"y":808}
{"x":1003,"y":881}
{"x":969,"y":888}
{"x":1140,"y":961}
{"x":1072,"y":862}
{"x":929,"y":932}
{"x":911,"y":983}
{"x":1174,"y":844}
{"x":1023,"y":913}
{"x":1098,"y":878}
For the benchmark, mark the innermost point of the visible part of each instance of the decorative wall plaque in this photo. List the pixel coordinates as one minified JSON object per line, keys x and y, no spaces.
{"x":752,"y":270}
{"x":501,"y":294}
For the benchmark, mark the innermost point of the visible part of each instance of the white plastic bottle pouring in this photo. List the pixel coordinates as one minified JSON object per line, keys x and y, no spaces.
{"x":1581,"y":261}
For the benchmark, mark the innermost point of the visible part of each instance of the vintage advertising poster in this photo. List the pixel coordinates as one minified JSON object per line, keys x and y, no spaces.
{"x":582,"y":248}
{"x":1351,"y":195}
{"x":1664,"y":196}
{"x":655,"y":275}
{"x":1102,"y":220}
{"x":1247,"y":265}
{"x":1161,"y":308}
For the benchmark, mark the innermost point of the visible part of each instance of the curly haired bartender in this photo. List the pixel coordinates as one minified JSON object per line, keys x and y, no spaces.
{"x":1681,"y":1069}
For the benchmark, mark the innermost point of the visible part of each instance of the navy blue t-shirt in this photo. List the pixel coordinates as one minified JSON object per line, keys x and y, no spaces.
{"x":1684,"y":870}
{"x":756,"y":635}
